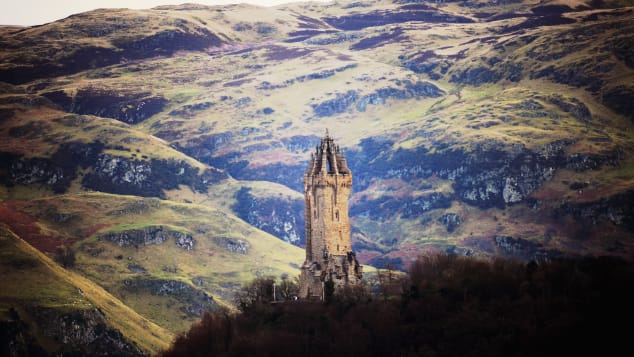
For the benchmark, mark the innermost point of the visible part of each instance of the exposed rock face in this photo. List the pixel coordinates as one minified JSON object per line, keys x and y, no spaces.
{"x":282,"y":218}
{"x":116,"y":174}
{"x":57,"y":172}
{"x":410,"y":90}
{"x":39,"y":171}
{"x":183,"y":240}
{"x":486,"y":177}
{"x":300,"y":143}
{"x":195,"y":301}
{"x":203,"y":147}
{"x":137,"y":207}
{"x":135,"y":268}
{"x":131,"y":108}
{"x":617,"y":209}
{"x":406,"y":90}
{"x":499,"y":178}
{"x":337,"y":105}
{"x":136,"y":237}
{"x":572,"y":106}
{"x":451,"y":221}
{"x":188,"y":110}
{"x":149,"y":235}
{"x":455,"y":250}
{"x":81,"y":332}
{"x":408,"y":207}
{"x":113,"y":174}
{"x":234,"y":245}
{"x":525,"y":249}
{"x":17,"y":340}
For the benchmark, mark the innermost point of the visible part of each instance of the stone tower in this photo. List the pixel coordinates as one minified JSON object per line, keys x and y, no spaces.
{"x":329,"y":255}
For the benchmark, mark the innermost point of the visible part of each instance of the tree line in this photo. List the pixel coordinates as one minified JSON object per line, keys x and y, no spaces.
{"x":446,"y":305}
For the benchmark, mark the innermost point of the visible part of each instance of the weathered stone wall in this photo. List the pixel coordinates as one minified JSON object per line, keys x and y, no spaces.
{"x":329,"y":255}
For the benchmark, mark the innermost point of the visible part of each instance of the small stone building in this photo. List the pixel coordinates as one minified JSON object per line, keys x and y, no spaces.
{"x":329,"y":255}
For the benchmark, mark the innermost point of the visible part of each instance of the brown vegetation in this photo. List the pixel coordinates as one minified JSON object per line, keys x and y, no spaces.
{"x":449,"y":305}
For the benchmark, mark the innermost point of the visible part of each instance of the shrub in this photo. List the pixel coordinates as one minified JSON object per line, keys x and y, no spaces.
{"x":65,"y":256}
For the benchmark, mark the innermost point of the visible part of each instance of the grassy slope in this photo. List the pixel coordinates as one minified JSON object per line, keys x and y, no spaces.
{"x":32,"y":279}
{"x":94,"y":214}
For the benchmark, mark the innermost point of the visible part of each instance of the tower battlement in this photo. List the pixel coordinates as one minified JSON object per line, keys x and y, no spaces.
{"x":329,"y":255}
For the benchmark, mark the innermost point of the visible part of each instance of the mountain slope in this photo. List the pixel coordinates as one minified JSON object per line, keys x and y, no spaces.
{"x":63,"y":311}
{"x":475,"y":128}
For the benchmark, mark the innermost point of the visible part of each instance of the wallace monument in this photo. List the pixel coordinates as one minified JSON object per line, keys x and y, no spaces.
{"x":329,"y":255}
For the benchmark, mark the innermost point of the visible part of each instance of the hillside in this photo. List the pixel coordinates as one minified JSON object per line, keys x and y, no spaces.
{"x":46,"y":308}
{"x":167,"y":146}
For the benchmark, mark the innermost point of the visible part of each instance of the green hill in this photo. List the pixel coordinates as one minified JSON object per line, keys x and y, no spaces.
{"x":46,"y":307}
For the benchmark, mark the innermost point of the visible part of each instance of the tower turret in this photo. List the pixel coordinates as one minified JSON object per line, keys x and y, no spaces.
{"x":329,"y":255}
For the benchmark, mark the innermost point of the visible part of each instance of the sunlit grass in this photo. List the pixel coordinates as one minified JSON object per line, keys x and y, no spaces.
{"x":31,"y":278}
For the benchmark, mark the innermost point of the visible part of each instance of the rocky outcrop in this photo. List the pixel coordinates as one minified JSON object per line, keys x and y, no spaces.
{"x":300,"y":143}
{"x":407,"y":207}
{"x":336,"y":38}
{"x":616,"y":209}
{"x":451,"y":221}
{"x":137,"y":237}
{"x":337,"y":105}
{"x":479,"y":75}
{"x":183,"y":240}
{"x":40,"y":171}
{"x":115,"y":174}
{"x":428,"y":62}
{"x":190,"y":109}
{"x":136,"y":207}
{"x":377,"y":41}
{"x":233,"y":245}
{"x":488,"y":176}
{"x":406,"y":90}
{"x":194,"y":302}
{"x":283,"y":218}
{"x":128,"y":107}
{"x":498,"y":178}
{"x":74,"y":332}
{"x":16,"y":339}
{"x":573,"y":106}
{"x":135,"y":268}
{"x":525,"y":249}
{"x":409,"y":90}
{"x":307,"y":77}
{"x":56,"y":172}
{"x":455,"y":250}
{"x":205,"y":146}
{"x":149,"y":235}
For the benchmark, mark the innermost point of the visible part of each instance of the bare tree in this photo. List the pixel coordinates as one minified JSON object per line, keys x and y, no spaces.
{"x":288,"y":288}
{"x":257,"y":292}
